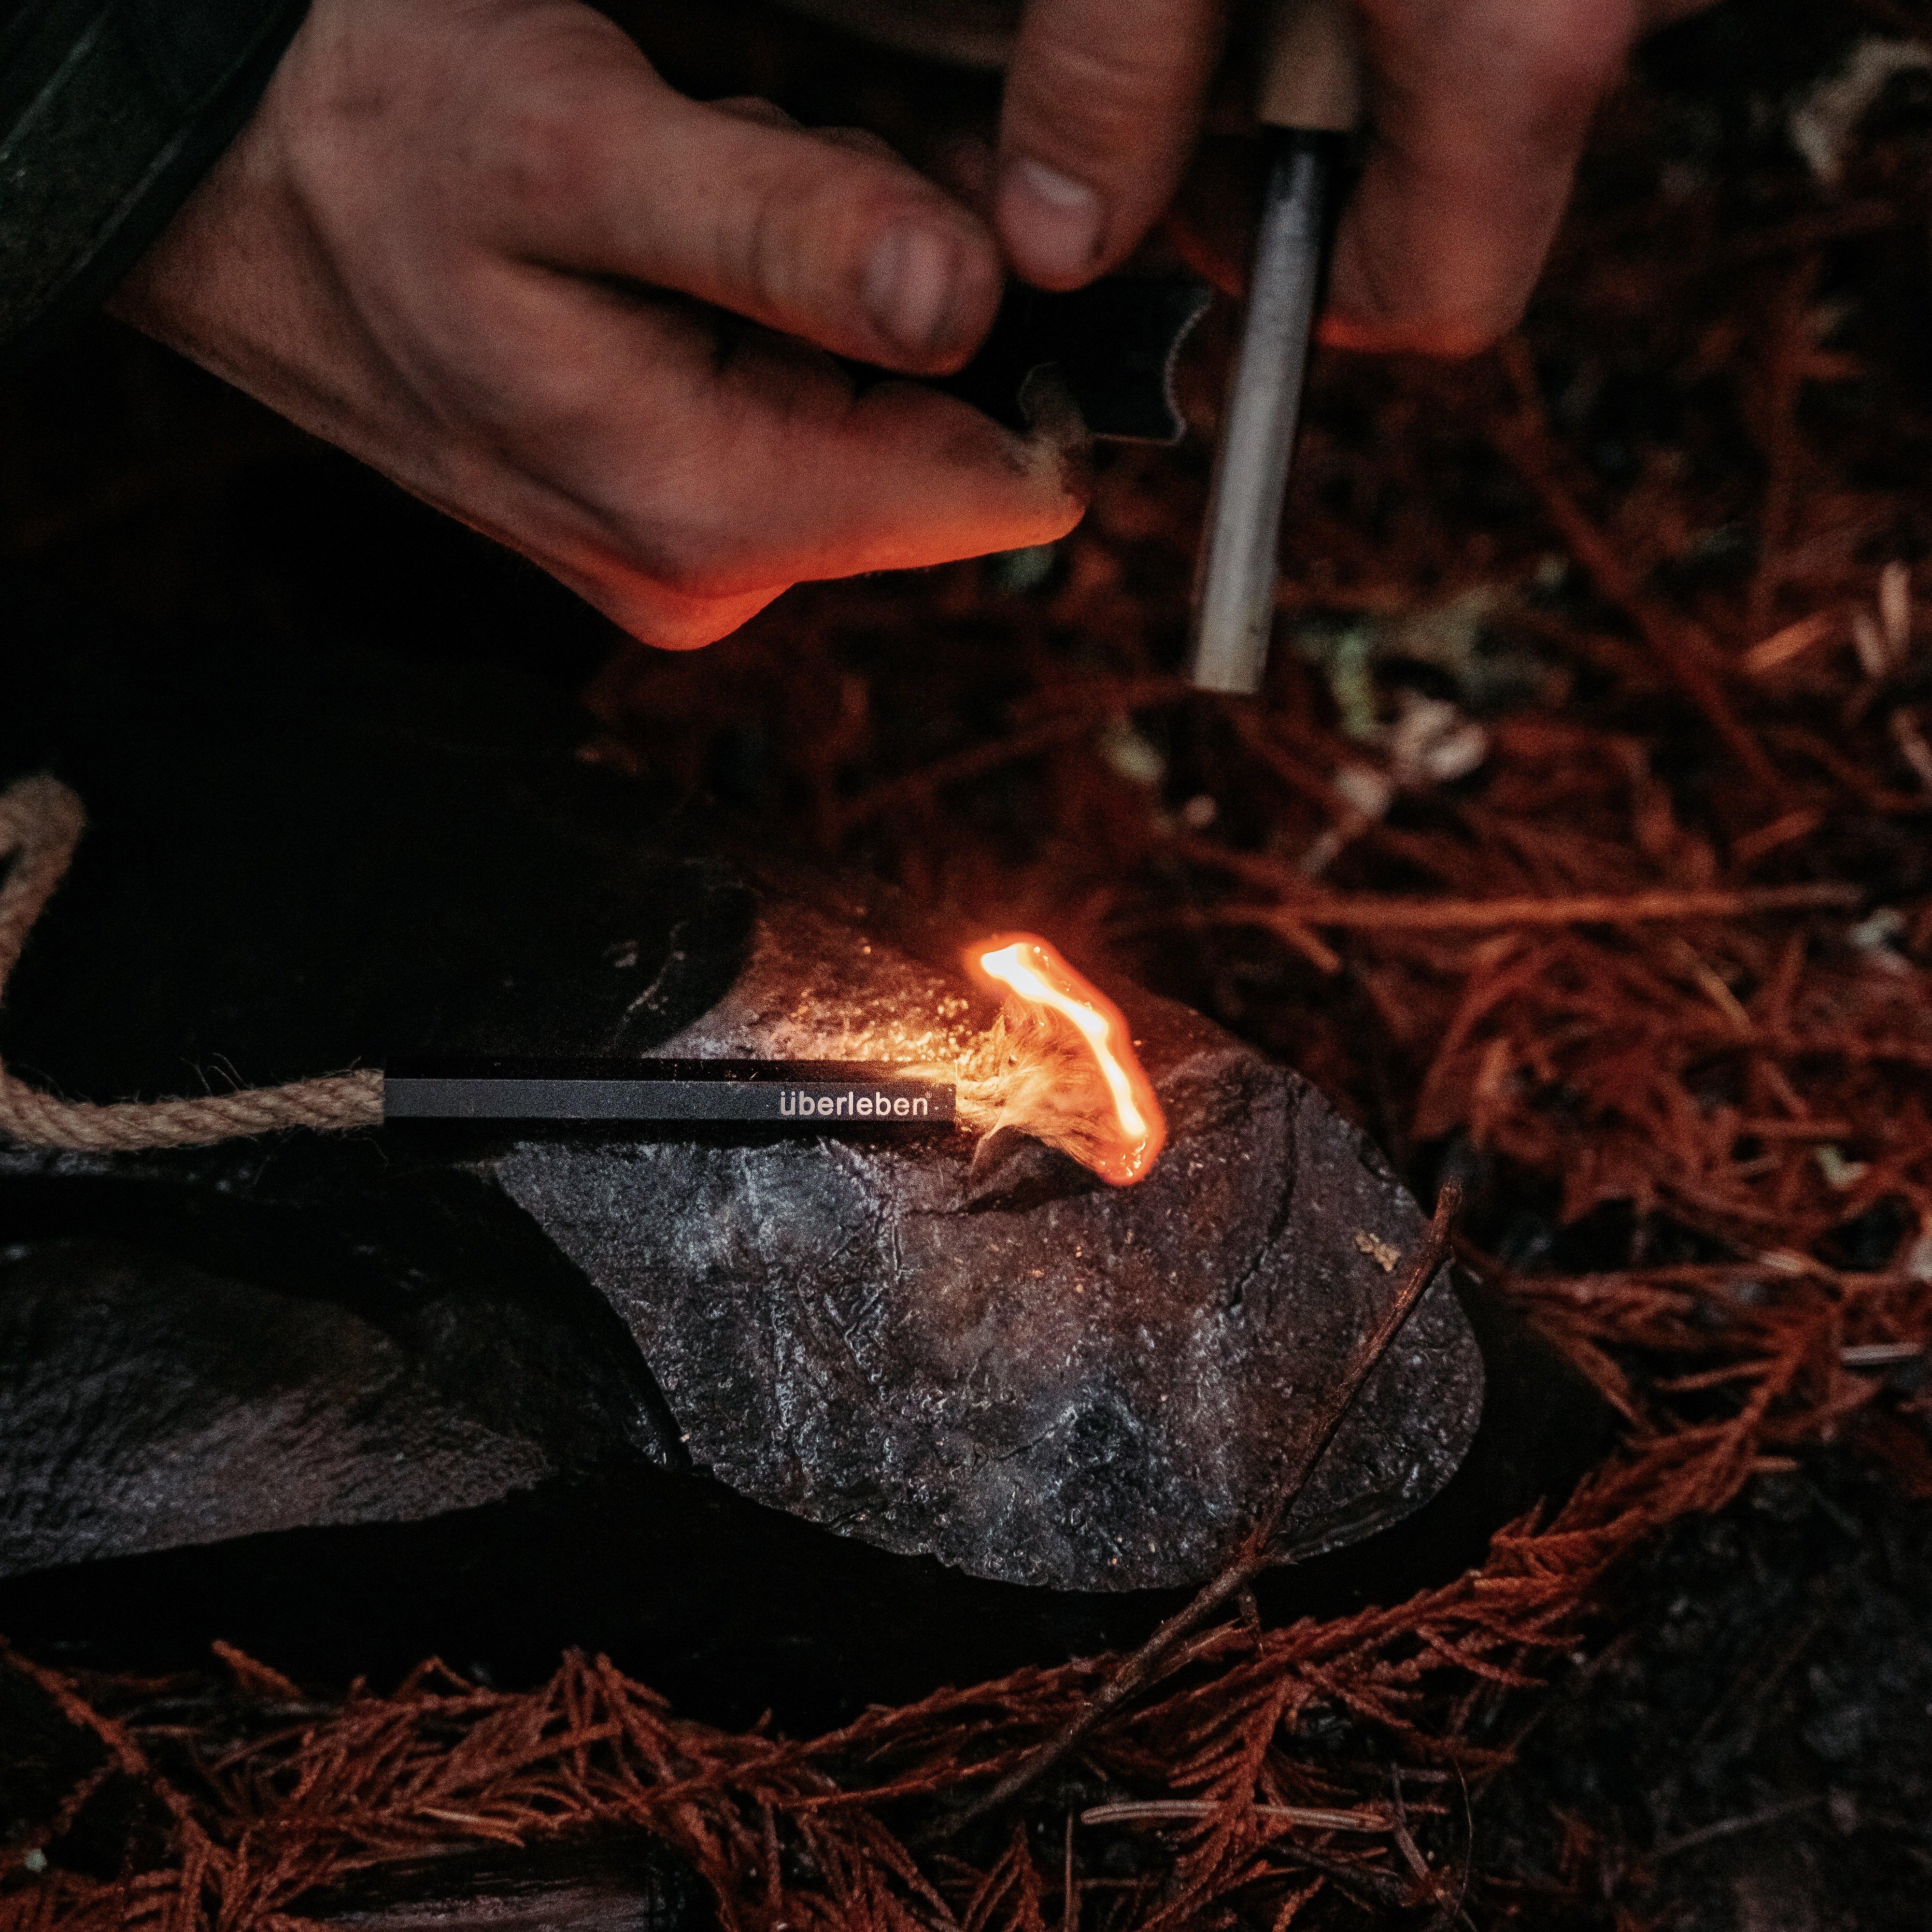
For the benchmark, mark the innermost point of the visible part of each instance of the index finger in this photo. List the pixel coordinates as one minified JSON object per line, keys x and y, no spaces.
{"x":1103,"y":99}
{"x":679,"y":472}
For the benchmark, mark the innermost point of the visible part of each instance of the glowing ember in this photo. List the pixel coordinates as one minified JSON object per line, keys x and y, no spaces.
{"x":1105,"y":1107}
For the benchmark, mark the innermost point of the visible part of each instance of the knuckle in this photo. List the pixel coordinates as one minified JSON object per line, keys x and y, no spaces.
{"x":761,"y":252}
{"x":1092,"y":100}
{"x":803,"y":245}
{"x":538,"y":111}
{"x":538,"y":157}
{"x":692,"y":558}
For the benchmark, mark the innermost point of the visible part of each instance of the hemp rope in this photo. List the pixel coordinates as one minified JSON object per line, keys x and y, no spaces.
{"x":40,"y":824}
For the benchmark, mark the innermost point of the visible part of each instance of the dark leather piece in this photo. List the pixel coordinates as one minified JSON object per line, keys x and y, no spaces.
{"x":110,"y":111}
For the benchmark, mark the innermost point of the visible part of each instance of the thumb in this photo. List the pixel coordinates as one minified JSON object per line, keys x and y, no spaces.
{"x":844,"y":245}
{"x":1103,"y":100}
{"x":1481,"y":108}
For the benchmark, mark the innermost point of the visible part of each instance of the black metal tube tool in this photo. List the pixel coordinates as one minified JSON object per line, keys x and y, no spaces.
{"x":815,"y":1096}
{"x":1309,"y":96}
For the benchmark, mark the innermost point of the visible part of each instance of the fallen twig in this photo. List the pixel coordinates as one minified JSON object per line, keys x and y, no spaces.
{"x":1160,"y":1811}
{"x":1728,"y":1828}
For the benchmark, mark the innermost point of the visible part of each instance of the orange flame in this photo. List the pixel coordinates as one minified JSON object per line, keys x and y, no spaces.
{"x":1036,"y":979}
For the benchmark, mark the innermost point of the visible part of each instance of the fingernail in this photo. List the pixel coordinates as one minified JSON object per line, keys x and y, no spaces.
{"x":910,"y":287}
{"x":1052,"y":223}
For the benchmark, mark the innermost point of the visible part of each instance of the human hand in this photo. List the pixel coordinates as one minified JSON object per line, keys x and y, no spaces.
{"x":1478,"y":110}
{"x":481,"y":245}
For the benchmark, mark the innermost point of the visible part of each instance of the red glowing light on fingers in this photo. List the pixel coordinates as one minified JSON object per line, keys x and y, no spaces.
{"x":1033,"y":976}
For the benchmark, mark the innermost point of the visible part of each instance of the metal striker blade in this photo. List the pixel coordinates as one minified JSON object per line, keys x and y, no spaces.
{"x":1235,"y":576}
{"x":1112,"y":344}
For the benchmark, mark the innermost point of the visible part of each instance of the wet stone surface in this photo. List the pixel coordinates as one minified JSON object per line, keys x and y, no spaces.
{"x":1033,"y":1376}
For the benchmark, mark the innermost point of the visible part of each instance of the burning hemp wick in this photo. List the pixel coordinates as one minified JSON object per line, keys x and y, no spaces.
{"x":1058,"y":1063}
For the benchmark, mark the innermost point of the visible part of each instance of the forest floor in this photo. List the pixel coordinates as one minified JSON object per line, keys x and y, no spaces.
{"x":1581,"y":845}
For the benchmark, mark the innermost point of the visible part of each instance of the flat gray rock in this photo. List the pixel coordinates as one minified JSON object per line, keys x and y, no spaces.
{"x":1033,"y":1375}
{"x":164,"y":1406}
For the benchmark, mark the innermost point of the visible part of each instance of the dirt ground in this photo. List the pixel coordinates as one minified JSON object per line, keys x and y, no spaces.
{"x":1581,"y":846}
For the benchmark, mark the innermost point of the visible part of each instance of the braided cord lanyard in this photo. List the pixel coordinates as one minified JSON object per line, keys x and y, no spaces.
{"x":40,"y":824}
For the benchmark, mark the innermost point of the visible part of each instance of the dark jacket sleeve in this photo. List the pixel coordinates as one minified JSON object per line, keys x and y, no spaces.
{"x":110,"y":111}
